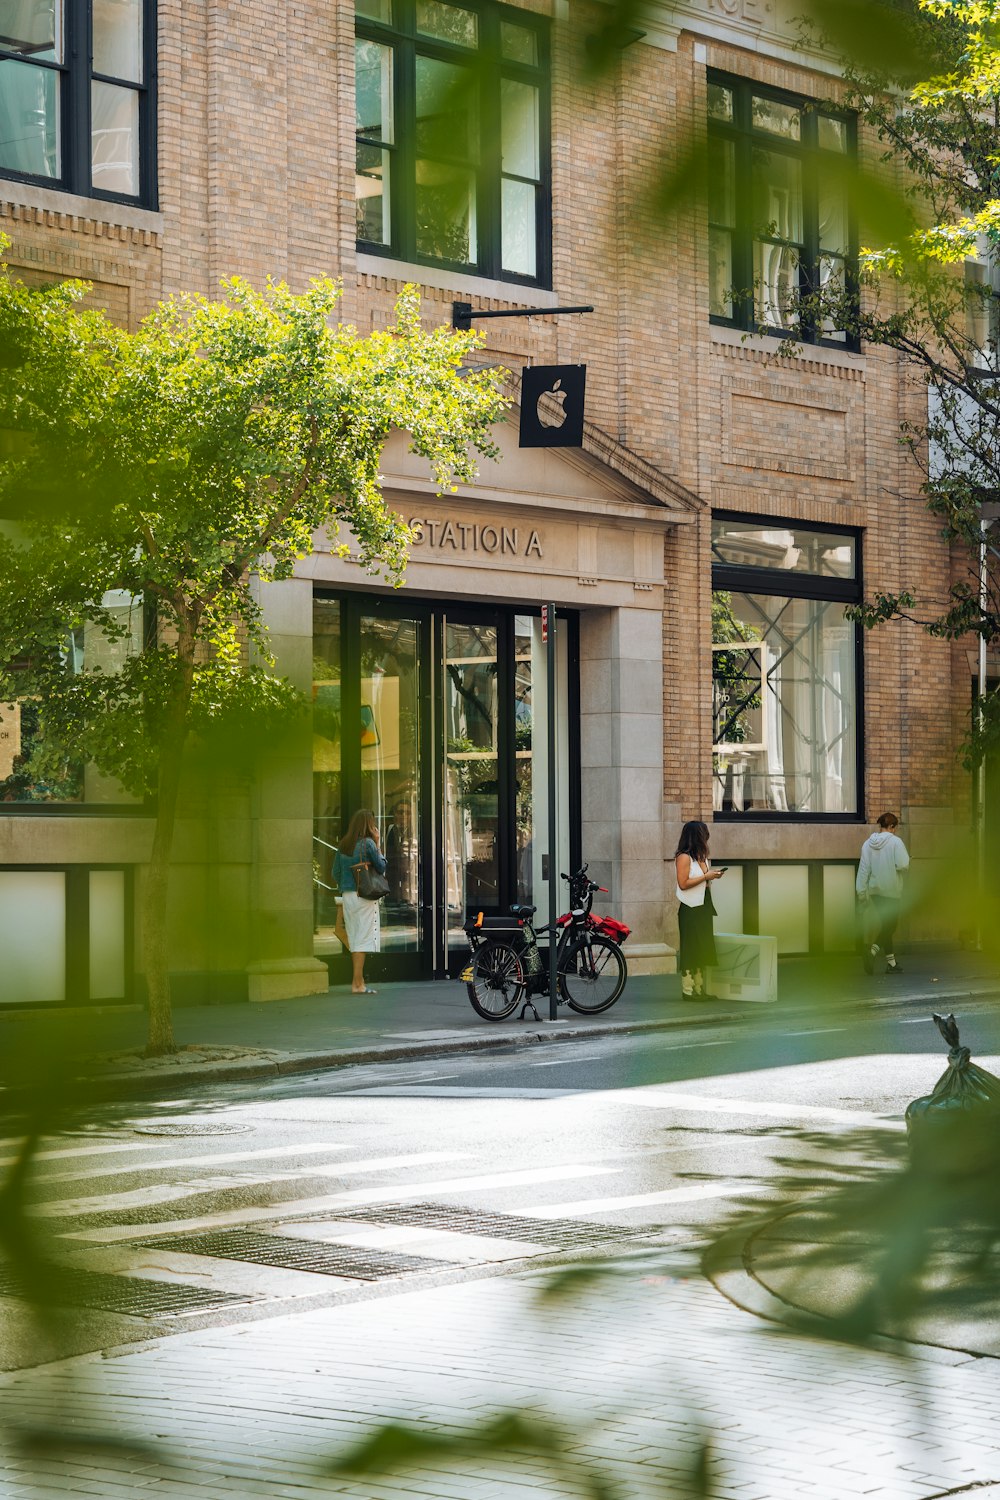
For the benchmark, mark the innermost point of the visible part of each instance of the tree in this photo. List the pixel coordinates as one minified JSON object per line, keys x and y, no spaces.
{"x":173,"y":466}
{"x":931,"y":289}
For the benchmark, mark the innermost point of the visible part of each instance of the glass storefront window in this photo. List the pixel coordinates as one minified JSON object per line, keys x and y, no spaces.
{"x":390,"y":726}
{"x":784,"y":703}
{"x":531,"y":734}
{"x":86,"y":649}
{"x":789,"y":549}
{"x":435,"y":722}
{"x":328,"y":810}
{"x":472,"y":868}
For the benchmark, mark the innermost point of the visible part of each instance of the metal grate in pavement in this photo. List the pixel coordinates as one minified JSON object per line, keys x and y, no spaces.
{"x":133,"y":1295}
{"x":297,"y":1254}
{"x":559,"y":1234}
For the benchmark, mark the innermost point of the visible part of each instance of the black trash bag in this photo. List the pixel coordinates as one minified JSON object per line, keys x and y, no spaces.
{"x":957,"y":1126}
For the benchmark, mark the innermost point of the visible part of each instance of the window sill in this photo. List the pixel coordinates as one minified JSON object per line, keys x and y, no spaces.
{"x":758,"y":343}
{"x":442,"y":280}
{"x":101,"y":210}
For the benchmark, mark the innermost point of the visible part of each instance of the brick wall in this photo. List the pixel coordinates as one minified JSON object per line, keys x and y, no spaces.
{"x":256,"y":129}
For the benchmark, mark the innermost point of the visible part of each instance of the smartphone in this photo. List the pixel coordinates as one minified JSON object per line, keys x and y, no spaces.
{"x":720,"y":869}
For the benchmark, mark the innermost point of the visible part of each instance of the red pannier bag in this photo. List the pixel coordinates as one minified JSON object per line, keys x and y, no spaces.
{"x":616,"y":931}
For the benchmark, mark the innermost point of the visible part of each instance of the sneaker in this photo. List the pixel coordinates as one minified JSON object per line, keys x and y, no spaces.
{"x":892,"y":967}
{"x":687,"y":985}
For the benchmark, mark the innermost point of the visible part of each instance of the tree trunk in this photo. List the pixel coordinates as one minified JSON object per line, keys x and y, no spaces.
{"x":155,"y":945}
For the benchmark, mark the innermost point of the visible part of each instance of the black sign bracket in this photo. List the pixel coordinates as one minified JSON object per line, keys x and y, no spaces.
{"x":463,"y":313}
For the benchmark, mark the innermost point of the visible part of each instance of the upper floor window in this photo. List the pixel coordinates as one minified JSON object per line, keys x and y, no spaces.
{"x":75,"y":101}
{"x":780,"y":225}
{"x":452,"y":136}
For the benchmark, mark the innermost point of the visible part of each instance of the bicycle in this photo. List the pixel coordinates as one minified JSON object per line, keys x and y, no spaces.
{"x":590,"y":967}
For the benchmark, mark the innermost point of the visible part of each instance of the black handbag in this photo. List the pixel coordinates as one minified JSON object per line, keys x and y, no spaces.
{"x":369,"y":884}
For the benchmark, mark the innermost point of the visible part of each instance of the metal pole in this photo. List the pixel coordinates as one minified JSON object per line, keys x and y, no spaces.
{"x":984,"y":526}
{"x":550,"y":664}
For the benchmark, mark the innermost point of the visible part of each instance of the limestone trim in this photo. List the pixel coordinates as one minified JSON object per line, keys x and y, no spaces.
{"x":395,"y":273}
{"x":541,"y":507}
{"x":661,"y":488}
{"x":89,"y":216}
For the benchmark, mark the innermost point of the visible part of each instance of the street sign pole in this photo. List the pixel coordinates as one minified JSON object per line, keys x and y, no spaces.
{"x":549,"y":630}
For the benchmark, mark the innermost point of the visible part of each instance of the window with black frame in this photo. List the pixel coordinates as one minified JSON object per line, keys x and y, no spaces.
{"x":76,"y":107}
{"x":452,"y":136}
{"x":786,"y":670}
{"x":780,"y":226}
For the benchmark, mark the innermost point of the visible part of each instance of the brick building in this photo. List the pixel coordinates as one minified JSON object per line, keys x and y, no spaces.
{"x":155,"y":152}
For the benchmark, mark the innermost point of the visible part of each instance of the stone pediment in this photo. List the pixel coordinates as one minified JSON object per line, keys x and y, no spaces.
{"x":600,"y":478}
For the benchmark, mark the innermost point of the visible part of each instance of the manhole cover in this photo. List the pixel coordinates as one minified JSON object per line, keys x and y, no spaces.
{"x":559,"y":1234}
{"x":296,"y":1255}
{"x":167,"y":1128}
{"x":133,"y":1295}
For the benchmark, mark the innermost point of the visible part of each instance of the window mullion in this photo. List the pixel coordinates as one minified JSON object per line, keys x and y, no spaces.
{"x":402,"y":201}
{"x":77,"y":95}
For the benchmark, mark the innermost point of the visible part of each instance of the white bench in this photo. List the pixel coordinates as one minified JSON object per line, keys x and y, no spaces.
{"x":747,"y":968}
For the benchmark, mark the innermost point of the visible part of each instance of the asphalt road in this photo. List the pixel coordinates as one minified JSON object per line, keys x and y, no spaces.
{"x":658,"y":1138}
{"x":273,"y":1269}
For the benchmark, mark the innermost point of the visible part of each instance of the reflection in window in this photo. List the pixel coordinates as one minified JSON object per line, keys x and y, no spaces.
{"x":763,"y":544}
{"x":434,"y":184}
{"x":91,"y":96}
{"x":772,"y":243}
{"x":784,"y":697}
{"x":86,"y":649}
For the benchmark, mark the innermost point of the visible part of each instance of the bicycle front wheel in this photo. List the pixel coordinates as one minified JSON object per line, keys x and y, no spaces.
{"x":593,"y":975}
{"x":496,"y":982}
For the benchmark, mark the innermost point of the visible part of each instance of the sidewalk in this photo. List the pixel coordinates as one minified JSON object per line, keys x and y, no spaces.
{"x":407,"y":1020}
{"x":626,"y":1381}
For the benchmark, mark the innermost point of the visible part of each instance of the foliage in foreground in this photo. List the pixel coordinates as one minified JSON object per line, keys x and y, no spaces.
{"x":151,"y":481}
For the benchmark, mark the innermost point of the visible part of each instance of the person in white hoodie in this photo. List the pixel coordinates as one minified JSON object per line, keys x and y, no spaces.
{"x":880,"y":871}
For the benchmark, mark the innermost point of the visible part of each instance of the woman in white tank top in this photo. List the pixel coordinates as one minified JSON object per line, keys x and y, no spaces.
{"x":694,"y":878}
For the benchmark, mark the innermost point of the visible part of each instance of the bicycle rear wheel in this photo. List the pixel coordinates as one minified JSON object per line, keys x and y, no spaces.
{"x":592,"y":975}
{"x":497,"y":982}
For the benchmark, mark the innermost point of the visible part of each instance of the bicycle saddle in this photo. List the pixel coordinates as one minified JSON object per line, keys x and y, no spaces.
{"x":523,"y":911}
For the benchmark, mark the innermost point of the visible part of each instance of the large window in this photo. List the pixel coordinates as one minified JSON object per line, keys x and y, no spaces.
{"x":452,"y":136}
{"x":780,"y":225}
{"x":75,"y":100}
{"x":785,"y":670}
{"x":75,"y":779}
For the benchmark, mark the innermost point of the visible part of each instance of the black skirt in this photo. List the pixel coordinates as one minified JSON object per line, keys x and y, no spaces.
{"x":697,"y":946}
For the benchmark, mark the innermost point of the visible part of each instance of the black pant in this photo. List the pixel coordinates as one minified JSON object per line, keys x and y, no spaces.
{"x":885,"y":910}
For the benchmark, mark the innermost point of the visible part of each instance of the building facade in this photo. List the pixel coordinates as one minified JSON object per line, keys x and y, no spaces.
{"x":729,"y":499}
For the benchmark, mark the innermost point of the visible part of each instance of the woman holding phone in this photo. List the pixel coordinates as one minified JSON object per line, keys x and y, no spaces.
{"x":694,"y":878}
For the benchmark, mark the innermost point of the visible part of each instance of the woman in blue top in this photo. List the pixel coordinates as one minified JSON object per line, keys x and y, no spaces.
{"x":359,"y":846}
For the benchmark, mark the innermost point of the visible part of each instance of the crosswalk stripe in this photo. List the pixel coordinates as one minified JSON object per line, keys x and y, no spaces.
{"x":104,"y":1150}
{"x":691,"y":1193}
{"x":712,"y":1104}
{"x":171,"y":1192}
{"x":216,"y":1159}
{"x":447,"y":1091}
{"x":399,"y":1193}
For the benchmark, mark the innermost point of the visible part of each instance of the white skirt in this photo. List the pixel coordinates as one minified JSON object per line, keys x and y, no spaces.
{"x":361,"y":918}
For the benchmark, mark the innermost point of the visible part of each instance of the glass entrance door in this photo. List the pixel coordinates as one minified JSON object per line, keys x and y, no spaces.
{"x":472,"y":757}
{"x":437,"y":721}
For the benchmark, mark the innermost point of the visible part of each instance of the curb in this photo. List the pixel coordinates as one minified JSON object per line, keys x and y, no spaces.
{"x":123,"y":1085}
{"x":120,"y":1087}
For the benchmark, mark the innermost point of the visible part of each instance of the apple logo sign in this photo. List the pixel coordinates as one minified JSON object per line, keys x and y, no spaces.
{"x":550,"y":407}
